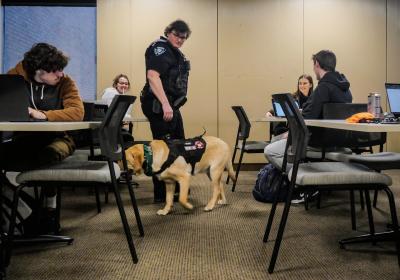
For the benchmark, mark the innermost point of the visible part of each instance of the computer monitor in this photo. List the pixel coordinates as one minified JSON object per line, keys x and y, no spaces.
{"x":278,"y":109}
{"x":393,"y":96}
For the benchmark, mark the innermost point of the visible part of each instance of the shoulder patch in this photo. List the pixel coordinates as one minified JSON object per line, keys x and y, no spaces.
{"x":159,"y":50}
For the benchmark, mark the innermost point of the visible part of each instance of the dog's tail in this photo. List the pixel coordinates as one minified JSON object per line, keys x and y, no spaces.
{"x":231,"y":173}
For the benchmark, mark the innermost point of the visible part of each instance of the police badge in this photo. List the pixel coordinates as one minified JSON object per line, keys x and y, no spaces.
{"x":159,"y":51}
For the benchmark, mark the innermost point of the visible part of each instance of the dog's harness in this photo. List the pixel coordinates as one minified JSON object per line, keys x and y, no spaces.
{"x":190,"y":149}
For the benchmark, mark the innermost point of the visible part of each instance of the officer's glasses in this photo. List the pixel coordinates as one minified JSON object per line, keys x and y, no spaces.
{"x":180,"y":36}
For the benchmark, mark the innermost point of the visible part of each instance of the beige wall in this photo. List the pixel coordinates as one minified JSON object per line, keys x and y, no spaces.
{"x":243,"y":51}
{"x":127,"y":27}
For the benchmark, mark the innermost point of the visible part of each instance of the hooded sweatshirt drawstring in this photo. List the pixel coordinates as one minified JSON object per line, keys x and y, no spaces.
{"x":41,"y":96}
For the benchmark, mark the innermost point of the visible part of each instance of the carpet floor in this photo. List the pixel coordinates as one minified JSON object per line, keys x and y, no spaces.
{"x":225,"y":243}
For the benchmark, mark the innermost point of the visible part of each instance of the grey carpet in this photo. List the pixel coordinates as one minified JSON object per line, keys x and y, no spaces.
{"x":223,"y":244}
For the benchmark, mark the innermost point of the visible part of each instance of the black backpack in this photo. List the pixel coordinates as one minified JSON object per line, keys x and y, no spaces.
{"x":266,"y":187}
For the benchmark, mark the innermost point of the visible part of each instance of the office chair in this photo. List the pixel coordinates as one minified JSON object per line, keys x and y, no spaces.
{"x":79,"y":173}
{"x":311,"y":176}
{"x":241,"y":143}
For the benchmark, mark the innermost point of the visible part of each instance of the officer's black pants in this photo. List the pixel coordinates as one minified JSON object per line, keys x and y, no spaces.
{"x":161,"y":129}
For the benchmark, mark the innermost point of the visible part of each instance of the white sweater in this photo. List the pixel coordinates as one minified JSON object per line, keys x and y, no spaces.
{"x":108,"y":96}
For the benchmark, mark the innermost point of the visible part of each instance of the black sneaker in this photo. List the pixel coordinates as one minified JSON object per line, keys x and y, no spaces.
{"x":298,"y":198}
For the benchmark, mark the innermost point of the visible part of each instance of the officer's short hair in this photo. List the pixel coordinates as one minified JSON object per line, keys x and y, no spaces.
{"x":45,"y":57}
{"x":179,"y":26}
{"x":326,"y":60}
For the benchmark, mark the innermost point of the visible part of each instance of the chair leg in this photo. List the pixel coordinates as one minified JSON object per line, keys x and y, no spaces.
{"x":362,"y":200}
{"x":122,"y":213}
{"x":98,"y":203}
{"x":395,"y":222}
{"x":375,"y":198}
{"x":106,"y":190}
{"x":237,"y":170}
{"x":353,"y":211}
{"x":280,"y":231}
{"x":58,"y":211}
{"x":233,"y":161}
{"x":135,"y":207}
{"x":11,"y":227}
{"x":319,"y":195}
{"x":306,"y":197}
{"x":370,"y":215}
{"x":272,"y":213}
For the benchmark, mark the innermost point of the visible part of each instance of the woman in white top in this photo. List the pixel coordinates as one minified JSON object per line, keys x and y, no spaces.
{"x":120,"y":85}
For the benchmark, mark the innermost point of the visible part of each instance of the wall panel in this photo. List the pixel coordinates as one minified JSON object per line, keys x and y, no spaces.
{"x":133,"y":24}
{"x":260,"y":51}
{"x":244,"y":51}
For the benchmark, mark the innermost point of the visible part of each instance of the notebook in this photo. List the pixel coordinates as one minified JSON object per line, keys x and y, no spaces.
{"x":393,"y":96}
{"x":278,"y":109}
{"x":14,"y":98}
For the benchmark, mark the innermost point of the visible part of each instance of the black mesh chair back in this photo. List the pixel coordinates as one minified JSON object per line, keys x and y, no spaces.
{"x":244,"y":123}
{"x":298,"y":133}
{"x":241,"y":142}
{"x":111,"y":146}
{"x":350,"y":139}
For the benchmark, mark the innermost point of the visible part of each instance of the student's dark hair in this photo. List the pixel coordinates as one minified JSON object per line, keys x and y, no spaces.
{"x":45,"y":57}
{"x":119,"y":76}
{"x":297,"y":93}
{"x":179,"y":26}
{"x":326,"y":59}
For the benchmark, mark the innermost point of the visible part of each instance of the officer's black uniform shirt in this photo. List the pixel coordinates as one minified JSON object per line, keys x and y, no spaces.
{"x":160,"y":57}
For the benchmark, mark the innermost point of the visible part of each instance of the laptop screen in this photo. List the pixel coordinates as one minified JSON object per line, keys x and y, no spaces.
{"x":14,"y":98}
{"x":393,"y":95}
{"x":278,"y":109}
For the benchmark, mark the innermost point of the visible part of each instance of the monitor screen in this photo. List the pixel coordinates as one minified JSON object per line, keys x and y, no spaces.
{"x":393,"y":95}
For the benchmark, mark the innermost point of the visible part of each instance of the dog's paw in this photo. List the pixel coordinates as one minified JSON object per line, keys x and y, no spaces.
{"x":208,"y":208}
{"x":162,"y":212}
{"x":187,"y":205}
{"x":222,"y":202}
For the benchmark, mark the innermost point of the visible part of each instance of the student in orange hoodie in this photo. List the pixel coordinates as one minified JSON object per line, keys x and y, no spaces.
{"x":54,"y":96}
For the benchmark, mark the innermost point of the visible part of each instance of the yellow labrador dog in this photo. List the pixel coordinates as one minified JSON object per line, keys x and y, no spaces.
{"x":215,"y":160}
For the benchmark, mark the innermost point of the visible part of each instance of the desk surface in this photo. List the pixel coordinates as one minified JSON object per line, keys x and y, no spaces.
{"x":366,"y":127}
{"x":269,"y":119}
{"x":135,"y":120}
{"x":341,"y":124}
{"x":47,"y":126}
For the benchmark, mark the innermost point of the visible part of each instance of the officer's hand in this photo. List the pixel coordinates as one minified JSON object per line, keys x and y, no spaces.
{"x":168,"y":112}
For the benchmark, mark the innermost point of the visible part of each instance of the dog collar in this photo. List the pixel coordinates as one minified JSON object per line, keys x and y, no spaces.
{"x":148,"y":160}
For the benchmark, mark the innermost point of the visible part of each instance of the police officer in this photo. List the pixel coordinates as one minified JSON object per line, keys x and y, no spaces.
{"x":167,"y":72}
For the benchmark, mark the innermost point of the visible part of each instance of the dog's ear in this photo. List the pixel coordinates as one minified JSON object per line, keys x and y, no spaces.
{"x":135,"y":157}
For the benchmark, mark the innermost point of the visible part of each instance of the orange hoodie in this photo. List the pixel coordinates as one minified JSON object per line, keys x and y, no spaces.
{"x":72,"y":102}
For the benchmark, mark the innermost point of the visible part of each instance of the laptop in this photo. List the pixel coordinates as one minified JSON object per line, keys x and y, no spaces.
{"x":393,"y":96}
{"x":278,"y":109}
{"x":14,"y":99}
